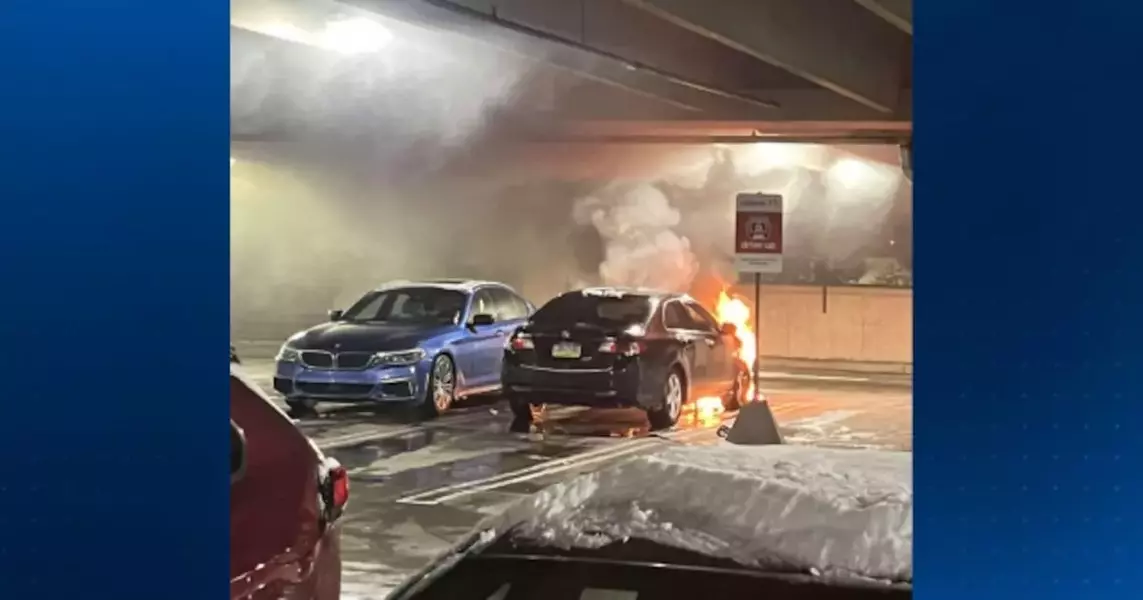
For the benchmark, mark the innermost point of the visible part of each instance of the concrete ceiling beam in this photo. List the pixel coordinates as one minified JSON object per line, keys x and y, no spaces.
{"x":898,"y":13}
{"x":792,"y":105}
{"x":839,"y":46}
{"x":725,"y":132}
{"x":580,"y":36}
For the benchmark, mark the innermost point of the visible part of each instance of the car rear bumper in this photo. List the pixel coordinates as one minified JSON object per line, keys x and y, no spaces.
{"x":581,"y":387}
{"x":316,"y":576}
{"x":380,"y":384}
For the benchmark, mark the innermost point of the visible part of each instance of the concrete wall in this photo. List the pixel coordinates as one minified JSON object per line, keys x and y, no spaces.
{"x":836,"y":324}
{"x":843,"y":328}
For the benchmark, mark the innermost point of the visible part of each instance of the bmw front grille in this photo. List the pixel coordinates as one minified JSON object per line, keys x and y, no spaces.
{"x":346,"y":361}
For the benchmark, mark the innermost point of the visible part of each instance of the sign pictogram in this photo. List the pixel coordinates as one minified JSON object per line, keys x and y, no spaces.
{"x":758,"y":233}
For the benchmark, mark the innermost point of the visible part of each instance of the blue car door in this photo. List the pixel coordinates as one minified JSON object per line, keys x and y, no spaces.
{"x":485,"y":342}
{"x":512,"y":311}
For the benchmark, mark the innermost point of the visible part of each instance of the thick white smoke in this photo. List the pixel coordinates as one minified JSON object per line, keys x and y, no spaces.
{"x":665,"y":232}
{"x":416,"y":96}
{"x":637,"y":225}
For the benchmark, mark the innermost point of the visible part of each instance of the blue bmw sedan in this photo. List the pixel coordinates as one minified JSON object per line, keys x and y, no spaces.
{"x":423,"y":344}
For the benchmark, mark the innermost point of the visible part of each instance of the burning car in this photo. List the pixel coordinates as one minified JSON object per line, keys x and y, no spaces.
{"x":748,"y":521}
{"x":618,"y":347}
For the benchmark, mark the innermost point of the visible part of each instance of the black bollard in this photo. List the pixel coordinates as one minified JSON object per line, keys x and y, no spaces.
{"x":755,"y":426}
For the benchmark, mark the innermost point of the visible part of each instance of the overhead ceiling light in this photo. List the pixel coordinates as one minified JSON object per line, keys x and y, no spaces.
{"x":753,"y":159}
{"x":284,"y":31}
{"x":356,"y":35}
{"x":858,"y":178}
{"x":345,"y":35}
{"x":850,"y":172}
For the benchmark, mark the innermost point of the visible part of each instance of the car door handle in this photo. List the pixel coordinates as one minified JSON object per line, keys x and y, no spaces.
{"x":709,"y":342}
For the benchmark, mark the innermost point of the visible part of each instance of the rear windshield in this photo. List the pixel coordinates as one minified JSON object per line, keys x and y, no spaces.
{"x":613,"y":311}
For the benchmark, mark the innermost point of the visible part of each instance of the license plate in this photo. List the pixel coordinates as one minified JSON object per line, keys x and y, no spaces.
{"x":566,"y":350}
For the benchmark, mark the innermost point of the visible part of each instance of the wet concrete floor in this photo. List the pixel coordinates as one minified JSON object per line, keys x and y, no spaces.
{"x":418,"y":487}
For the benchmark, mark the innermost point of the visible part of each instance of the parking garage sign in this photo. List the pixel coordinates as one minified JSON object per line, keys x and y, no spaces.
{"x":758,"y":233}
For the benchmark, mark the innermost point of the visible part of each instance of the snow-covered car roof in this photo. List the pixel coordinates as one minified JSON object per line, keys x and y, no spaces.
{"x":833,"y":512}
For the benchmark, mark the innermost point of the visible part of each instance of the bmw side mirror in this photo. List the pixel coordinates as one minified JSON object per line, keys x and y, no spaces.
{"x":482,"y":320}
{"x":729,"y":329}
{"x":335,"y":315}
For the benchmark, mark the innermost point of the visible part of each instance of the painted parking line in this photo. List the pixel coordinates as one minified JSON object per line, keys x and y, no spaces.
{"x":607,"y":453}
{"x":373,"y":435}
{"x":433,"y":496}
{"x":355,"y":439}
{"x":361,"y":437}
{"x":552,"y":470}
{"x":809,"y":377}
{"x":576,"y":462}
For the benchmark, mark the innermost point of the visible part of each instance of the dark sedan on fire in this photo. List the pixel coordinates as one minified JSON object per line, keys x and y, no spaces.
{"x":614,"y":347}
{"x":421,"y":344}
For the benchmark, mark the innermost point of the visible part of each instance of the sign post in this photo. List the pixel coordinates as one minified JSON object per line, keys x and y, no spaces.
{"x":757,"y":251}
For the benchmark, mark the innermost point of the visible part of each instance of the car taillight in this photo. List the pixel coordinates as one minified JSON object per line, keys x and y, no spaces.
{"x":521,"y":341}
{"x":334,"y":486}
{"x":339,"y":483}
{"x":612,"y":346}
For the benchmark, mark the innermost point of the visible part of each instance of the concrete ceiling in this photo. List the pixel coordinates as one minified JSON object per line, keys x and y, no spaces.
{"x":663,"y":70}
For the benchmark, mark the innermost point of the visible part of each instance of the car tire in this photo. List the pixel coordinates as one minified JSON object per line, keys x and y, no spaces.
{"x":301,"y":409}
{"x":737,"y":396}
{"x":671,"y":402}
{"x":521,"y":415}
{"x":440,"y":388}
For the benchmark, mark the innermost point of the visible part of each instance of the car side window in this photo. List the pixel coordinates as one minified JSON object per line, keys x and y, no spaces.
{"x":675,"y":316}
{"x":483,"y":304}
{"x":511,"y":307}
{"x":523,"y":309}
{"x":701,"y":319}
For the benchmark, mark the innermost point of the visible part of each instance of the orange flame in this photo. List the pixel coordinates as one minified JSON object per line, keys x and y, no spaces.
{"x":733,"y":310}
{"x":708,"y":411}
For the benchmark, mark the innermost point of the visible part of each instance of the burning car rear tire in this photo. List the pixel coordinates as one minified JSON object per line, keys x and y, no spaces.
{"x":666,"y":414}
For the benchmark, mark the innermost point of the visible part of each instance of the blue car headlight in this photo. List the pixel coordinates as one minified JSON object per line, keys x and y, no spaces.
{"x":398,"y":358}
{"x":287,"y":354}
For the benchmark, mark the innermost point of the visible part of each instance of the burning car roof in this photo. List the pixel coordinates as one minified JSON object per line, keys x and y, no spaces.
{"x":843,"y":513}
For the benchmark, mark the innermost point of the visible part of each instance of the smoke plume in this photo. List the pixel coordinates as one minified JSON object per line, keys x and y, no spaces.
{"x":406,"y":176}
{"x":667,"y":231}
{"x":410,"y":104}
{"x":637,"y":225}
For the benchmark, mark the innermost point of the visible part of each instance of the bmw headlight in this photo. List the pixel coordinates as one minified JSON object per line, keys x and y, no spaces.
{"x":399,"y":358}
{"x":287,"y":354}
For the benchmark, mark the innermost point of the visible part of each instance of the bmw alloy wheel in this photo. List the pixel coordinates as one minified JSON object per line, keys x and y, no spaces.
{"x":443,"y":383}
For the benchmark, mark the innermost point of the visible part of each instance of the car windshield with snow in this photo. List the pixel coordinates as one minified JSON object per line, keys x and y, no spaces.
{"x":778,"y":522}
